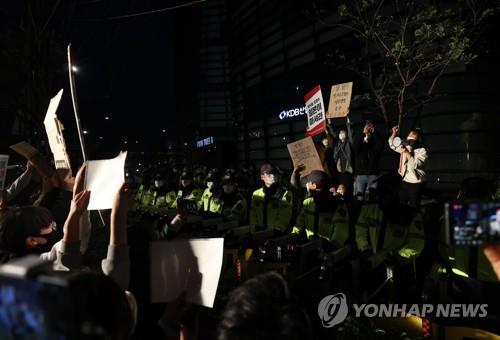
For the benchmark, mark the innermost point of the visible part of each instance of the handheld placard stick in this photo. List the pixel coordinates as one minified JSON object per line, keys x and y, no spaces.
{"x":75,"y":103}
{"x":75,"y":110}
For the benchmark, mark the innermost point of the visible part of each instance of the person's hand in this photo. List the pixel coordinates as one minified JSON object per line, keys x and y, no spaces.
{"x":66,"y":178}
{"x":80,"y":203}
{"x":368,"y":128}
{"x":492,"y":253}
{"x":395,"y":130}
{"x":123,"y":200}
{"x":298,"y":168}
{"x":178,"y":221}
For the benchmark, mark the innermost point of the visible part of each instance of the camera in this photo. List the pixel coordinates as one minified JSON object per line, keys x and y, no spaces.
{"x":472,"y":223}
{"x":33,"y":303}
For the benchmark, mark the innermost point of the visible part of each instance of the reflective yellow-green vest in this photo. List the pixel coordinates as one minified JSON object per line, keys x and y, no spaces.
{"x":333,"y":226}
{"x":205,"y":200}
{"x":405,"y":241}
{"x":237,"y":212}
{"x":139,"y":193}
{"x":279,"y":209}
{"x":148,"y":198}
{"x":194,"y":195}
{"x":165,"y":200}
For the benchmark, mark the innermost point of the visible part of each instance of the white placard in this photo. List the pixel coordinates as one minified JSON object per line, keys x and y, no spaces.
{"x":190,"y":266}
{"x":104,"y":178}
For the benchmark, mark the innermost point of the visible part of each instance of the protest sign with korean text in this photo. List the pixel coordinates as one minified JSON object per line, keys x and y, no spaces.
{"x":304,"y":153}
{"x":54,"y":130}
{"x":340,"y":100}
{"x":315,"y":108}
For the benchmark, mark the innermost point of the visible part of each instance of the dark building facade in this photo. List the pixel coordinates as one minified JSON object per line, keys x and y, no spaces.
{"x":278,"y":51}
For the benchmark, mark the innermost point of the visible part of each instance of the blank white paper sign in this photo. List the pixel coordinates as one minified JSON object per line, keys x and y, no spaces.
{"x":192,"y":266}
{"x":104,"y":178}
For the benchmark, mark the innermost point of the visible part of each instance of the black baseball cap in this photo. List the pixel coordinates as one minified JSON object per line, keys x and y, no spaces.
{"x":268,"y":169}
{"x":320,"y":178}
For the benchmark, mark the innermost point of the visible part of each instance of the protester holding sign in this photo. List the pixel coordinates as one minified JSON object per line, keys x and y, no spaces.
{"x":343,"y":157}
{"x":315,"y":112}
{"x":322,"y":215}
{"x":340,"y":100}
{"x":304,"y":153}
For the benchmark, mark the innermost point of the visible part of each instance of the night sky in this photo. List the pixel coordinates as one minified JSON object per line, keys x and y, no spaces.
{"x":127,"y":71}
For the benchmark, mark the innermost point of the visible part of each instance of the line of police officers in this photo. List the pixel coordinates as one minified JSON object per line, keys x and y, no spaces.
{"x":380,"y":225}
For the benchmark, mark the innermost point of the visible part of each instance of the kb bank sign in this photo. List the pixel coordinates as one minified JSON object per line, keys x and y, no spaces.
{"x":292,"y":113}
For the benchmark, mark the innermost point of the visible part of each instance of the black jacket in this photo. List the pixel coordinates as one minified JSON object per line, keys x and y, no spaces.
{"x":367,"y":155}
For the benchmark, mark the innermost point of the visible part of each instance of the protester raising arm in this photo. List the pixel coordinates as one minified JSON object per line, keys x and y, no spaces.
{"x":21,"y":182}
{"x":117,"y":263}
{"x":69,"y":257}
{"x":394,"y":134}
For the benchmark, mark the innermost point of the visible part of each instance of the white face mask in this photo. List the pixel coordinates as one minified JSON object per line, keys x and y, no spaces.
{"x":210,"y":185}
{"x":342,"y":136}
{"x":228,"y":188}
{"x":271,"y":178}
{"x":325,"y":143}
{"x":308,"y":188}
{"x":158,"y":183}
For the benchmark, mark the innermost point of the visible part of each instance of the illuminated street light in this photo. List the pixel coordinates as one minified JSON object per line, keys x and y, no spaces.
{"x":85,"y":132}
{"x":75,"y":69}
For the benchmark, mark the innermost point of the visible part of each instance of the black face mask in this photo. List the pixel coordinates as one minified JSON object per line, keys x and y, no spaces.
{"x":413,"y":143}
{"x":52,"y":238}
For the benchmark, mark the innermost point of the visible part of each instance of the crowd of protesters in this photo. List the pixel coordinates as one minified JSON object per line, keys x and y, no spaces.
{"x":347,"y":206}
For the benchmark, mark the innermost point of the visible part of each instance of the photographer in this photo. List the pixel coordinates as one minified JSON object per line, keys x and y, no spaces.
{"x":412,"y":161}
